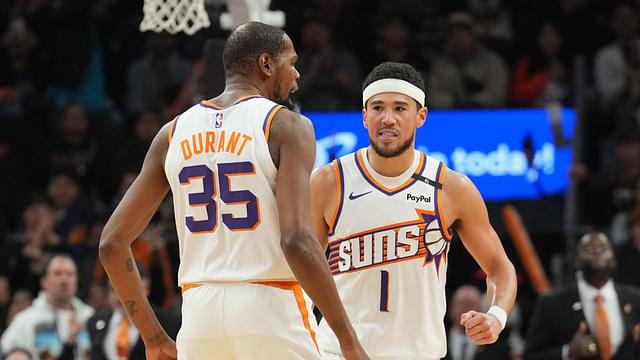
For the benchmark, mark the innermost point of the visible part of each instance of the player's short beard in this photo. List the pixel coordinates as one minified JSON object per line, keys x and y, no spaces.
{"x":392,"y":152}
{"x":286,"y":102}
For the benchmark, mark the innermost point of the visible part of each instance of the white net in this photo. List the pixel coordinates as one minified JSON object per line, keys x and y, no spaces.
{"x":174,"y":16}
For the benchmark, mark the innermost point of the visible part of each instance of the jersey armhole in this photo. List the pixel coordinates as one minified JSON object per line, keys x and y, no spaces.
{"x":337,"y":167}
{"x":172,"y":129}
{"x":442,"y":168}
{"x":266,"y":124}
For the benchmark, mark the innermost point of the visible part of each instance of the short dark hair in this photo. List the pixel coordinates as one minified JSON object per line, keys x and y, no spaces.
{"x":247,"y":42}
{"x":395,"y":70}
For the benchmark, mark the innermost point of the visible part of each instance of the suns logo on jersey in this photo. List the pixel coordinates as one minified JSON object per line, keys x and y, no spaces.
{"x":421,"y":238}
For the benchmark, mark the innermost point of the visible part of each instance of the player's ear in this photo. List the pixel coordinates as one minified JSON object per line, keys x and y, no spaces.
{"x":422,"y":116}
{"x":266,"y":64}
{"x":364,"y":118}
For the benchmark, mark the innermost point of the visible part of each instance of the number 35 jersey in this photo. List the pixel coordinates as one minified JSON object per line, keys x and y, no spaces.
{"x":223,"y":182}
{"x":387,"y":252}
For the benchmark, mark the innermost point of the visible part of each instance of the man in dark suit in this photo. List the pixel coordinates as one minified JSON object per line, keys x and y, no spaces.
{"x":114,"y":337}
{"x":590,"y":319}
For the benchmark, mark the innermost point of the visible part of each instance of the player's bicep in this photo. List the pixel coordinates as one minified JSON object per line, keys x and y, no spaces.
{"x":294,"y":136}
{"x":473,"y":225}
{"x":145,"y":195}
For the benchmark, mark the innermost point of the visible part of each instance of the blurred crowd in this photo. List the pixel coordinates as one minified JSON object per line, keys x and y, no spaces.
{"x":83,"y":92}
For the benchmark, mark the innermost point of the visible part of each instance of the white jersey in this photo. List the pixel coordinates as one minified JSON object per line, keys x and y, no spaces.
{"x":387,"y":251}
{"x":223,"y":182}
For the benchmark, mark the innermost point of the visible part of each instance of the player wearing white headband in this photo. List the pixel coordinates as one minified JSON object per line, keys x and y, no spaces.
{"x":387,"y":213}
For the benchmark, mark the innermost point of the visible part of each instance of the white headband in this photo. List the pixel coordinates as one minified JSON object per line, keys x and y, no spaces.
{"x":393,"y":85}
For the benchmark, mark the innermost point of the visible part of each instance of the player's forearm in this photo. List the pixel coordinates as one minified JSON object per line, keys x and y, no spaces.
{"x":306,"y":259}
{"x":119,"y":264}
{"x":502,"y":285}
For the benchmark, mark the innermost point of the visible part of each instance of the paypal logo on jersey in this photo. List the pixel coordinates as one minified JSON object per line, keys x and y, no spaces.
{"x":507,"y":153}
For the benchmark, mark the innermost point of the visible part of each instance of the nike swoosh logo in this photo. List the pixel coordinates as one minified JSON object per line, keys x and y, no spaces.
{"x":353,"y":197}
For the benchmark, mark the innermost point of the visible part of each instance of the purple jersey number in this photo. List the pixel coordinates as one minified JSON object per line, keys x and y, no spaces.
{"x":206,"y":197}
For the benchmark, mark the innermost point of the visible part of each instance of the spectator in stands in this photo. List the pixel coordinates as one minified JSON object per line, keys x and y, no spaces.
{"x":155,"y":80}
{"x":468,"y":75}
{"x":21,"y":300}
{"x":73,"y":147}
{"x":54,"y":324}
{"x":20,"y":70}
{"x":493,"y":27}
{"x":394,"y":42}
{"x":628,"y":253}
{"x":133,"y":151}
{"x":541,"y":77}
{"x":73,"y":213}
{"x":332,"y":75}
{"x":24,"y":257}
{"x":613,"y":186}
{"x":613,"y":63}
{"x":81,"y":55}
{"x":593,"y":318}
{"x":98,"y":296}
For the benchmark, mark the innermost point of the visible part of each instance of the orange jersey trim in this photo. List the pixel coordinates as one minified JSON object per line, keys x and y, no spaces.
{"x":269,"y":119}
{"x":337,"y":167}
{"x":189,"y":286}
{"x":211,"y":104}
{"x":443,"y":225}
{"x":375,"y":183}
{"x":172,"y":129}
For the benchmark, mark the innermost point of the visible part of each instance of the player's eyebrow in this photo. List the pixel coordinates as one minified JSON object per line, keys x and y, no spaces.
{"x":397,"y":102}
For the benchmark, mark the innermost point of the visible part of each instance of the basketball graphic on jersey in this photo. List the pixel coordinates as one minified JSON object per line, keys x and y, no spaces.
{"x":433,"y":238}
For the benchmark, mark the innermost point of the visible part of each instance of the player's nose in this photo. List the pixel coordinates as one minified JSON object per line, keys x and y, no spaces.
{"x":388,"y":118}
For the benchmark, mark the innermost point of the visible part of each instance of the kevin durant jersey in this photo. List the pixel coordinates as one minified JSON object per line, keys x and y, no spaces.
{"x":223,"y":182}
{"x":387,"y":252}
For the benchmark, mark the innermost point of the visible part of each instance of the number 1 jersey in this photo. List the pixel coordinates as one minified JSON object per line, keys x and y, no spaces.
{"x":387,"y":252}
{"x":223,"y":182}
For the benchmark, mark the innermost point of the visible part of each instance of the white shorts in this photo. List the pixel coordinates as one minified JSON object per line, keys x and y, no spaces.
{"x":246,"y":321}
{"x":326,"y":355}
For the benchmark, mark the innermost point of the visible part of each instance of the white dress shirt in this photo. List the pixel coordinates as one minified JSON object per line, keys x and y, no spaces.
{"x":611,"y":304}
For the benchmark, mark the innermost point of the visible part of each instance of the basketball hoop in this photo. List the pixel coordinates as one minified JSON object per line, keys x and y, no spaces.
{"x":174,"y":16}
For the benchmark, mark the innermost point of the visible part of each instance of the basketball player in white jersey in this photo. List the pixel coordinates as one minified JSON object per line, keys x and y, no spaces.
{"x":386,"y":213}
{"x":238,"y":167}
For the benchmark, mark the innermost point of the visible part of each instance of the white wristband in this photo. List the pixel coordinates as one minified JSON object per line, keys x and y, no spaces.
{"x":499,"y":313}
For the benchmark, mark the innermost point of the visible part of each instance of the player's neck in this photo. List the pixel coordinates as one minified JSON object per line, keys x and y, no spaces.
{"x":237,"y":88}
{"x":390,"y":166}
